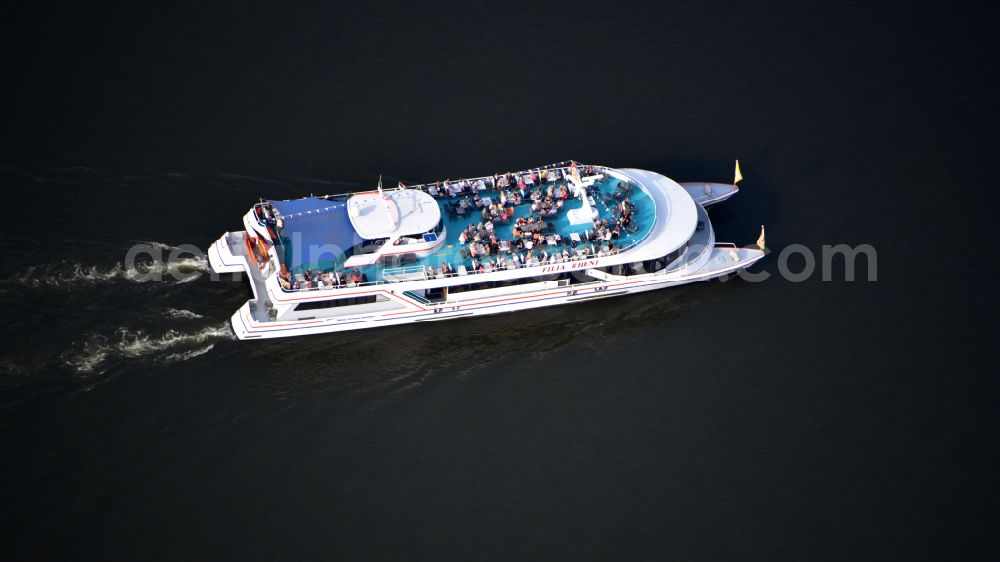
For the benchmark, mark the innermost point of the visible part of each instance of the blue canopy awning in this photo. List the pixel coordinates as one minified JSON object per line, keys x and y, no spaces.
{"x":317,"y":232}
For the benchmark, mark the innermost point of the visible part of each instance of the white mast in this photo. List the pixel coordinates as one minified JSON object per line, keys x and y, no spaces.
{"x":385,"y":202}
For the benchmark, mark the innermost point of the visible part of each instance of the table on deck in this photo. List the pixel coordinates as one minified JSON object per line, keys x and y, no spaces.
{"x":534,"y":226}
{"x":481,"y":249}
{"x":547,"y":208}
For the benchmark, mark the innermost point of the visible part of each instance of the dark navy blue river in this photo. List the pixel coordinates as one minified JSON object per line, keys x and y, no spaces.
{"x":731,"y":420}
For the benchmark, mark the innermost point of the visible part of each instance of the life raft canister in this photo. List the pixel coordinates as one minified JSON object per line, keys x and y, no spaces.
{"x":250,"y":247}
{"x":262,"y":247}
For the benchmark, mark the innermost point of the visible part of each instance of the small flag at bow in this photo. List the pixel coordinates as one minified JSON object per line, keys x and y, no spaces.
{"x":760,"y":239}
{"x":737,"y":176}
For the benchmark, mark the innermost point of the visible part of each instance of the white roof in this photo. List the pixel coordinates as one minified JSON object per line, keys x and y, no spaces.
{"x":398,"y":212}
{"x":676,"y":215}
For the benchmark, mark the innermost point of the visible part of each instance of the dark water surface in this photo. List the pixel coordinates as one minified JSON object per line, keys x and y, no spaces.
{"x":727,"y":420}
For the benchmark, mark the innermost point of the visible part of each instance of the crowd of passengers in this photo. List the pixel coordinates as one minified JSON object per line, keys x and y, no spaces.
{"x":533,"y":241}
{"x":509,"y":180}
{"x":320,"y":279}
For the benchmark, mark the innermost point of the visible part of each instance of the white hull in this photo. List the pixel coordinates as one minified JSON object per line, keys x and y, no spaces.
{"x":707,"y":194}
{"x":717,"y":262}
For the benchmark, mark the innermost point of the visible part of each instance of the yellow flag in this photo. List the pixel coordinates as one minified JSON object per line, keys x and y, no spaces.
{"x":760,"y":239}
{"x":738,"y":176}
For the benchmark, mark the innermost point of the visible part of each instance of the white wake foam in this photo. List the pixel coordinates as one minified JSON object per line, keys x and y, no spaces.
{"x":70,"y":275}
{"x":184,"y":356}
{"x":178,"y":270}
{"x":66,"y":274}
{"x":127,"y":343}
{"x":181,"y":313}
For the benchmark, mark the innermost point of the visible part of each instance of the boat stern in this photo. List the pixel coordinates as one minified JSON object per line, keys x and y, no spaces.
{"x":242,"y":321}
{"x":224,"y":255}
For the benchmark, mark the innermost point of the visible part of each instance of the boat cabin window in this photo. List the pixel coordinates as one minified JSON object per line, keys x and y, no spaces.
{"x":509,"y":282}
{"x":349,"y":301}
{"x":652,"y":266}
{"x":368,"y":246}
{"x":398,"y":260}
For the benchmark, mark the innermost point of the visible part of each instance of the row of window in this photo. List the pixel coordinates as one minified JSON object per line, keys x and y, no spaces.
{"x":507,"y":282}
{"x":578,"y":276}
{"x":648,"y":266}
{"x":348,"y":301}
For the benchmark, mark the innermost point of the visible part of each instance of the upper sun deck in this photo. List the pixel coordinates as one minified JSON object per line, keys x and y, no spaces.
{"x":489,"y":224}
{"x":391,"y":214}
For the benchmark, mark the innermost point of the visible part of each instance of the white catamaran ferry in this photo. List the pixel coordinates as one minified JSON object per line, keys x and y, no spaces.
{"x":557,"y":234}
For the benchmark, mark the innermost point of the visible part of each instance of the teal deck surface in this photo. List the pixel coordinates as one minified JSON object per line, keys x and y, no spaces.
{"x":603,"y":191}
